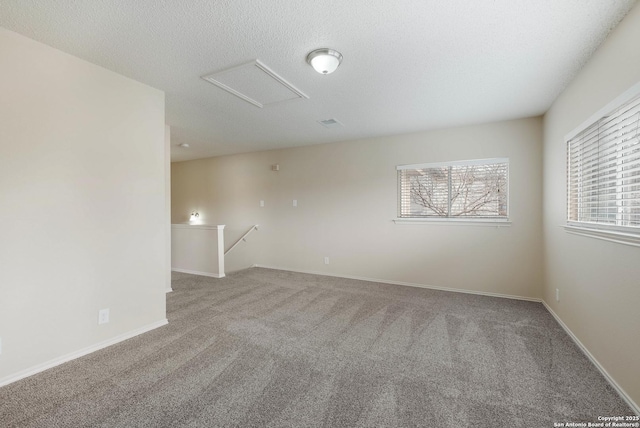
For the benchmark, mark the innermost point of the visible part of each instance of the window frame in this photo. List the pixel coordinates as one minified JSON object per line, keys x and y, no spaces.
{"x":629,"y":235}
{"x":467,"y":220}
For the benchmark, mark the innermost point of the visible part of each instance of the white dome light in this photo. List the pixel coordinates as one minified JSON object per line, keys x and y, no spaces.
{"x":324,"y":61}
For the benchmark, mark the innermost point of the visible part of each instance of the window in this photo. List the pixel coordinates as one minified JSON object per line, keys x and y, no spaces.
{"x":603,"y":168}
{"x":476,"y":189}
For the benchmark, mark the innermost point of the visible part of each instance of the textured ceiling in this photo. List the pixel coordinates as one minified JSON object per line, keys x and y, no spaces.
{"x":408,"y":65}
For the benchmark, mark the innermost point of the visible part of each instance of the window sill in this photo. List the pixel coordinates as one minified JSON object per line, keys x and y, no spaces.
{"x":605,"y":235}
{"x":458,"y":221}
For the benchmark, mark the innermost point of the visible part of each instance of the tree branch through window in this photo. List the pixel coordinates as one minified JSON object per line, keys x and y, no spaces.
{"x":475,"y":189}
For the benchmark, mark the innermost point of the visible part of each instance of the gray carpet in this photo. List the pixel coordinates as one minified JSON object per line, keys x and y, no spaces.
{"x":268,"y":348}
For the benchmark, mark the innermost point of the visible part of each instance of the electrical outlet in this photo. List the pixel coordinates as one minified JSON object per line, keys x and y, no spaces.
{"x":295,"y":202}
{"x":103,"y":316}
{"x":326,"y":260}
{"x":262,"y":203}
{"x":557,"y":294}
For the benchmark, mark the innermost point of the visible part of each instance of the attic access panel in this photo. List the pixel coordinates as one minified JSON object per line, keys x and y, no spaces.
{"x":255,"y":83}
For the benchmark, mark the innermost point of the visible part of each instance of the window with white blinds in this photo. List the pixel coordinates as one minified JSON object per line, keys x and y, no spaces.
{"x":472,"y":189}
{"x":603,"y":166}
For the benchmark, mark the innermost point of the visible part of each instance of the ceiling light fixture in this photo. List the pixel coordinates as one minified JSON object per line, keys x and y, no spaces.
{"x":324,"y":61}
{"x":185,"y":145}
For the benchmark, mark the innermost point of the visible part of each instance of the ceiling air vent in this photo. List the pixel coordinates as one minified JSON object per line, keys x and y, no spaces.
{"x":330,"y":123}
{"x":255,"y":83}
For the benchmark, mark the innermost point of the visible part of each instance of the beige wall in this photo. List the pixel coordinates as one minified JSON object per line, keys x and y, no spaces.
{"x":225,"y":190}
{"x":167,"y":206}
{"x":198,"y":249}
{"x":347,"y":199}
{"x":599,"y":281}
{"x":82,"y":203}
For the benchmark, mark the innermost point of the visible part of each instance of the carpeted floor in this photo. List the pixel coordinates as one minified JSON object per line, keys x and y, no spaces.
{"x":267,"y":348}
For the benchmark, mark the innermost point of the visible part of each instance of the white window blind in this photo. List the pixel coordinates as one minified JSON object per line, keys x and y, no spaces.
{"x":462,"y":189}
{"x":604,"y":172}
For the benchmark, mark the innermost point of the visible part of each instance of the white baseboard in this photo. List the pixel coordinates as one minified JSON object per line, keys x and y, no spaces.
{"x":595,"y":362}
{"x":408,"y":284}
{"x":82,"y":352}
{"x":195,"y":272}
